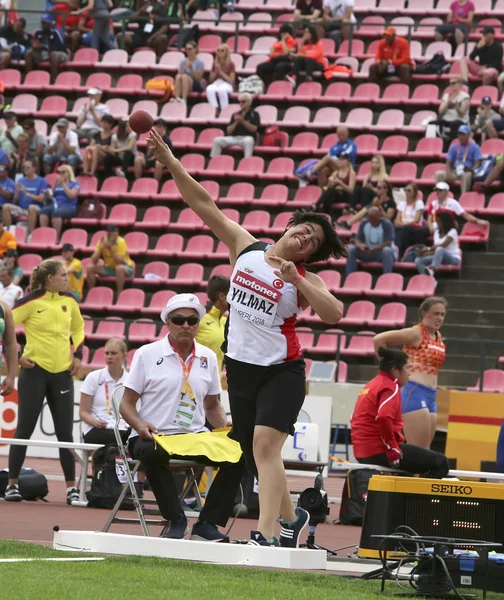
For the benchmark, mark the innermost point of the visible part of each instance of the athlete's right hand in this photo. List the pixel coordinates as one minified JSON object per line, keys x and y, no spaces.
{"x":26,"y":363}
{"x":146,"y":430}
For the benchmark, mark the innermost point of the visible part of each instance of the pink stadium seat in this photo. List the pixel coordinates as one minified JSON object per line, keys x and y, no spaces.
{"x":256,"y":221}
{"x":495,"y":206}
{"x":493,"y":382}
{"x":357,"y":283}
{"x":371,"y":27}
{"x":253,"y":166}
{"x":36,"y":81}
{"x":183,"y":137}
{"x":169,"y":191}
{"x":227,"y":23}
{"x":277,"y":91}
{"x":493,"y":147}
{"x":367,"y":144}
{"x":339,"y":91}
{"x":221,"y":270}
{"x":123,"y":215}
{"x":84,"y":57}
{"x":484,"y":90}
{"x":395,"y":93}
{"x":359,"y":118}
{"x":391,"y":119}
{"x":206,"y":138}
{"x":332,"y":279}
{"x":142,"y":60}
{"x":327,"y":342}
{"x":209,"y":43}
{"x":281,"y":169}
{"x":394,"y":146}
{"x":137,"y":241}
{"x":142,"y":331}
{"x":403,"y":172}
{"x":232,"y":214}
{"x":428,"y":148}
{"x":252,"y":62}
{"x":144,"y":188}
{"x":24,"y":104}
{"x":20,"y":234}
{"x":275,"y":194}
{"x":392,"y":314}
{"x":240,"y":44}
{"x":257,"y":22}
{"x":113,"y":187}
{"x":309,"y":91}
{"x":296,"y":116}
{"x":391,"y":7}
{"x":429,"y":173}
{"x":77,"y":105}
{"x":131,"y":83}
{"x":359,"y":313}
{"x":98,"y":360}
{"x":188,"y":274}
{"x":388,"y":285}
{"x":97,"y":236}
{"x":472,"y":233}
{"x":52,"y":107}
{"x":130,"y":300}
{"x":424,"y":94}
{"x":304,"y":143}
{"x":11,"y":78}
{"x":41,"y":238}
{"x":113,"y":59}
{"x":239,"y":193}
{"x":88,"y":325}
{"x":361,"y":345}
{"x":222,"y":252}
{"x":118,"y":106}
{"x":306,"y":338}
{"x":472,"y":202}
{"x":435,"y":47}
{"x":168,"y":244}
{"x":188,"y":221}
{"x":98,"y":298}
{"x":149,"y":106}
{"x":158,"y":302}
{"x":326,"y":118}
{"x":89,"y":185}
{"x":201,"y":114}
{"x":155,"y":217}
{"x":212,"y":187}
{"x":159,"y":269}
{"x":366,"y":93}
{"x":170,"y":61}
{"x":100,"y":80}
{"x":419,"y":286}
{"x":110,"y":327}
{"x":280,"y":223}
{"x":344,"y":48}
{"x":220,"y":166}
{"x":418,"y":121}
{"x":199,"y":247}
{"x":76,"y":237}
{"x":194,"y":164}
{"x":174,"y":112}
{"x":305,"y":197}
{"x":28,"y":262}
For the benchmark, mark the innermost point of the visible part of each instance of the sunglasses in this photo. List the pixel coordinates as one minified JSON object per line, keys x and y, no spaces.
{"x":454,"y":82}
{"x":179,"y":320}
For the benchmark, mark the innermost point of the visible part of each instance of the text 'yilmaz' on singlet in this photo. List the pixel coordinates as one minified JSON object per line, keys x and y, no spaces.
{"x":262,"y":312}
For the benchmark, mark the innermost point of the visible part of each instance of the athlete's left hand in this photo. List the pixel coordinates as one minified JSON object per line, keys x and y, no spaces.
{"x":75,"y":366}
{"x":287,"y":269}
{"x":7,"y":386}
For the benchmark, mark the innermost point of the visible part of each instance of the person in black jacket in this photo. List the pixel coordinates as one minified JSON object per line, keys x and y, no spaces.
{"x":17,"y":41}
{"x":489,"y":53}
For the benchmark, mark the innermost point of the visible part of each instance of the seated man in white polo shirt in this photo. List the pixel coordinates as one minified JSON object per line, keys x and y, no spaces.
{"x":178,"y":383}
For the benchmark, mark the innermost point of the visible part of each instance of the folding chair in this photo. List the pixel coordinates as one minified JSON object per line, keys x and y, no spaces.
{"x":131,"y":467}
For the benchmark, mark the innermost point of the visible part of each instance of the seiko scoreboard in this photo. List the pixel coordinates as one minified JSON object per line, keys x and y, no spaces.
{"x":432,"y":507}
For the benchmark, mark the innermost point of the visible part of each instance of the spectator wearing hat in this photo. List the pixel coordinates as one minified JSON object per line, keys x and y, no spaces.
{"x":242,"y":129}
{"x":392,"y":58}
{"x":495,"y":126}
{"x":7,"y":186}
{"x":167,"y":376}
{"x":65,"y":193}
{"x":90,"y":114}
{"x":47,"y":44}
{"x":74,"y":270}
{"x":113,"y":249}
{"x":488,"y":52}
{"x":10,"y":293}
{"x":63,"y":147}
{"x":453,"y":110}
{"x":10,"y":132}
{"x":99,"y":146}
{"x":444,"y":203}
{"x":464,"y":156}
{"x":147,"y":161}
{"x":29,"y":196}
{"x":10,"y":261}
{"x":485,"y":114}
{"x":16,"y":42}
{"x":22,"y":154}
{"x":37,"y":143}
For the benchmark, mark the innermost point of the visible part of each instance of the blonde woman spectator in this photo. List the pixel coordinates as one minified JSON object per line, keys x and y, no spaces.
{"x":409,"y":221}
{"x":222,"y":78}
{"x":122,"y":150}
{"x":96,"y":410}
{"x":190,"y":74}
{"x":364,"y":195}
{"x":65,"y":193}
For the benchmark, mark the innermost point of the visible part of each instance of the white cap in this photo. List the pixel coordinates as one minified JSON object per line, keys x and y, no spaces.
{"x":183,"y":301}
{"x":94,"y":90}
{"x":442,"y":185}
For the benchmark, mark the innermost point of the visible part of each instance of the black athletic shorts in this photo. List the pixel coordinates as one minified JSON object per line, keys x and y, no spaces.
{"x":270,"y":396}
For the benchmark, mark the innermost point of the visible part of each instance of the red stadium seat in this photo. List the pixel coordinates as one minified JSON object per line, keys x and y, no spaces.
{"x":174,"y":112}
{"x":277,"y":91}
{"x":239,"y":193}
{"x":227,"y":113}
{"x":158,"y":302}
{"x":188,"y":220}
{"x":395,"y":93}
{"x":220,"y":166}
{"x":394,"y":146}
{"x":113,"y":187}
{"x":366,"y":93}
{"x":359,"y":118}
{"x":155,"y":217}
{"x":472,"y":233}
{"x":11,"y":78}
{"x":392,"y":314}
{"x":281,"y":169}
{"x":100,"y":80}
{"x":201,"y":114}
{"x":153,"y":273}
{"x":145,"y":188}
{"x":188,"y":274}
{"x":267,"y":113}
{"x":76,"y":237}
{"x":209,"y":43}
{"x":304,"y":143}
{"x":131,"y":83}
{"x":118,"y":107}
{"x":137,"y":242}
{"x":199,"y":247}
{"x":194,"y":164}
{"x":296,"y":116}
{"x":327,"y":342}
{"x":359,"y":313}
{"x":20,"y":235}
{"x":367,"y":144}
{"x":207,"y":137}
{"x":52,"y":107}
{"x":183,"y":137}
{"x":123,"y":215}
{"x":24,"y":104}
{"x":482,"y":91}
{"x":275,"y":194}
{"x":256,"y":221}
{"x":88,"y":325}
{"x":388,"y":285}
{"x":113,"y":59}
{"x":360,"y":345}
{"x":472,"y":202}
{"x":240,"y":44}
{"x":169,"y":191}
{"x":305,"y":197}
{"x":130,"y":300}
{"x":403,"y":172}
{"x":142,"y":60}
{"x":110,"y":327}
{"x":419,"y":286}
{"x":168,"y":244}
{"x":390,"y":120}
{"x":306,"y":339}
{"x":28,"y":262}
{"x":309,"y":91}
{"x":149,"y":106}
{"x":332,"y":279}
{"x":493,"y":146}
{"x":424,"y":94}
{"x":41,"y":238}
{"x":142,"y":331}
{"x":36,"y":81}
{"x":98,"y":298}
{"x":84,"y":57}
{"x":429,"y":173}
{"x":326,"y":118}
{"x":495,"y":206}
{"x":89,"y":185}
{"x":418,"y":121}
{"x":428,"y":148}
{"x":357,"y":283}
{"x":221,"y":270}
{"x":280,"y":223}
{"x":98,"y":360}
{"x":252,"y":166}
{"x":493,"y":382}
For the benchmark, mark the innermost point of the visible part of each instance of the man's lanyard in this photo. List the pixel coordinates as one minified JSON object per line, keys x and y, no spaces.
{"x":186,"y":389}
{"x":457,"y":159}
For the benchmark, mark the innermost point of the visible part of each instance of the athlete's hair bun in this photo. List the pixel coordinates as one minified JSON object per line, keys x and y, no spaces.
{"x":391,"y":359}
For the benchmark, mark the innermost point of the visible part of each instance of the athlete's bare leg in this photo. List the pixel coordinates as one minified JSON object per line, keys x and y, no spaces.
{"x":418,"y":428}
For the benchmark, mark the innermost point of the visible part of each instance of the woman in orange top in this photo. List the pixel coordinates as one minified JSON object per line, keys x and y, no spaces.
{"x":279,"y":63}
{"x":310,"y":57}
{"x":427,"y":352}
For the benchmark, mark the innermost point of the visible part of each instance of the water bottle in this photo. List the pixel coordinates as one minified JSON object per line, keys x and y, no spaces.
{"x":230,"y":6}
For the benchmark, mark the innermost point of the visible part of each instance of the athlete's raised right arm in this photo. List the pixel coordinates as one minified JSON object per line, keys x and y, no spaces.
{"x":235,"y":237}
{"x":410,"y":336}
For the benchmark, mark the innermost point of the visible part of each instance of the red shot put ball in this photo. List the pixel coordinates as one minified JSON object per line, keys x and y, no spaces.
{"x":141,"y":121}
